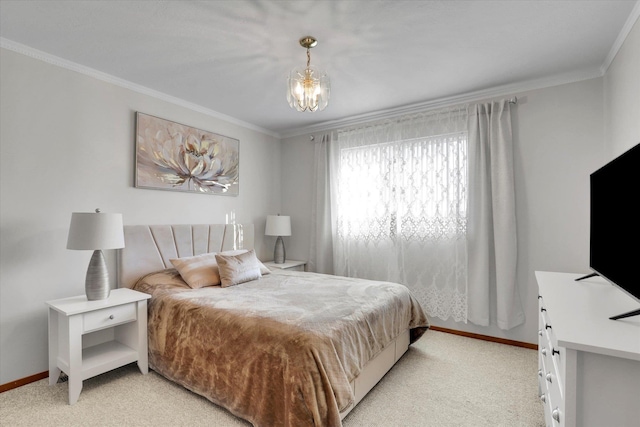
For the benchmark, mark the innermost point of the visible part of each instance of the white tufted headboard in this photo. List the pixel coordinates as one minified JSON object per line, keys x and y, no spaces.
{"x":149,"y":248}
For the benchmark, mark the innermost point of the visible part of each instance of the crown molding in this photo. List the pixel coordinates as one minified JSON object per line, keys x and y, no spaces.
{"x":622,"y":36}
{"x":504,"y":90}
{"x":108,"y":78}
{"x":509,"y":90}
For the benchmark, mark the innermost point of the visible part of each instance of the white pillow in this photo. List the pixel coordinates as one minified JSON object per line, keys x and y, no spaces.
{"x":236,"y":269}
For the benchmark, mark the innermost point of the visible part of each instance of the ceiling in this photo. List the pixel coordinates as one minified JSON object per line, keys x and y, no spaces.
{"x":231,"y":58}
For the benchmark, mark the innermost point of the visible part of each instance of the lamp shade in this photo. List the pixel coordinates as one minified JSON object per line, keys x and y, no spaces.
{"x":93,"y":231}
{"x":278,"y":225}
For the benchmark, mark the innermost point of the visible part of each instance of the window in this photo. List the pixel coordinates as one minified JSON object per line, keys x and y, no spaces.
{"x":400,"y":189}
{"x":413,"y":190}
{"x":400,"y":208}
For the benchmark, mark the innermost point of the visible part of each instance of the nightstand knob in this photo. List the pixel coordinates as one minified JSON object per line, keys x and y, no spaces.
{"x":111,"y":317}
{"x":549,"y":377}
{"x":556,"y":414}
{"x":540,"y":332}
{"x":543,"y":398}
{"x":543,"y":351}
{"x":540,"y":372}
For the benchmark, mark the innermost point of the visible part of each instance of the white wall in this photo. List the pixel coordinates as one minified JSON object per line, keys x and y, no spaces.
{"x":66,"y":145}
{"x":297,"y":186}
{"x":622,"y":96}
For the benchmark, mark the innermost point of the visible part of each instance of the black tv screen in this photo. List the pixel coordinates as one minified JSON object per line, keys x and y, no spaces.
{"x":615,"y":222}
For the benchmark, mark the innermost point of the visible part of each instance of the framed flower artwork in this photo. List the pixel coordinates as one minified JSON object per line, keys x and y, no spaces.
{"x":173,"y":156}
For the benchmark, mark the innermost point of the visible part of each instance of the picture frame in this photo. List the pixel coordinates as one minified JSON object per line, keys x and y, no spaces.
{"x":177,"y":157}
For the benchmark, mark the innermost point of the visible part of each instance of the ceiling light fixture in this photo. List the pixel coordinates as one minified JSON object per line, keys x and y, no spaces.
{"x":309,"y":88}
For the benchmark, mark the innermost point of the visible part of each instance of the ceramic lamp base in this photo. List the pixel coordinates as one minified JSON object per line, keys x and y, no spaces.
{"x":96,"y":285}
{"x":279,"y":254}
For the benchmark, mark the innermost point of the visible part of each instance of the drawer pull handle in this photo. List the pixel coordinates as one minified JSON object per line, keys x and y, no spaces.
{"x":554,"y":352}
{"x":111,"y":317}
{"x":556,"y":414}
{"x":547,"y":326}
{"x":549,"y":377}
{"x":539,"y":296}
{"x":543,"y":398}
{"x":543,"y":309}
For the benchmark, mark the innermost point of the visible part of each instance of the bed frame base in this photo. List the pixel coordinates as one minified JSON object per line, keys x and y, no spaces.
{"x":376,"y":368}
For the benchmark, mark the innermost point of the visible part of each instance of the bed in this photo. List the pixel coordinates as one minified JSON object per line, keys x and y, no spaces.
{"x":285,"y":349}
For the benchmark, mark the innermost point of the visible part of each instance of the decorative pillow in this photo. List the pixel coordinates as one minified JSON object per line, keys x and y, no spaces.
{"x":161,"y":280}
{"x":202,"y":270}
{"x":263,"y":268}
{"x":198,"y":271}
{"x":236,"y":269}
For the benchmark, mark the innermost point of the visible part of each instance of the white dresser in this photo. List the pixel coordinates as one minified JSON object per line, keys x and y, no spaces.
{"x":589,"y":365}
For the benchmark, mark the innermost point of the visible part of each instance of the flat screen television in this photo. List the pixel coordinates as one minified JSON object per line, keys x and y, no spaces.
{"x":614,"y":249}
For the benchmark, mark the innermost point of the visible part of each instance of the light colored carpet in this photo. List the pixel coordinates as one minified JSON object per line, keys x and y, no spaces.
{"x":443,"y":380}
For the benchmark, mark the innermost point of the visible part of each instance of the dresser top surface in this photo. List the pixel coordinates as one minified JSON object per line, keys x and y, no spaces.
{"x":579,"y":314}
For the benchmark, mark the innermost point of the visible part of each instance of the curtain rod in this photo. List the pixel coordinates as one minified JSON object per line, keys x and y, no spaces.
{"x":513,"y":100}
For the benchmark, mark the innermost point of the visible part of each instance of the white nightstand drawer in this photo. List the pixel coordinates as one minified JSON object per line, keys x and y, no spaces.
{"x":108,"y":317}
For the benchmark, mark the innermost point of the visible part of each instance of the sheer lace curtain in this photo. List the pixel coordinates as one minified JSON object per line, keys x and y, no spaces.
{"x":392,"y":201}
{"x":398,"y":205}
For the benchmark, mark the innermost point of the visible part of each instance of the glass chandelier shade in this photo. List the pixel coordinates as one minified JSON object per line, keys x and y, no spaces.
{"x":308,"y":88}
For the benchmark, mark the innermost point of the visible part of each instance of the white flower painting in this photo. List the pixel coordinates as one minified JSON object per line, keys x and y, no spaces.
{"x":172,"y":156}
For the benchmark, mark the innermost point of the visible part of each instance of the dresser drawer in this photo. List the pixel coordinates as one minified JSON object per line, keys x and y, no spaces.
{"x":557,"y":357}
{"x":550,"y":371}
{"x":556,"y":403}
{"x":554,"y":359}
{"x":547,"y":327}
{"x":108,"y":317}
{"x":550,"y":386}
{"x":545,"y":401}
{"x":542,"y":384}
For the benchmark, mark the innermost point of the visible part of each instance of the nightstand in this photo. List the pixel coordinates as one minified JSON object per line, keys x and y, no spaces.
{"x":291,"y":264}
{"x":88,"y":338}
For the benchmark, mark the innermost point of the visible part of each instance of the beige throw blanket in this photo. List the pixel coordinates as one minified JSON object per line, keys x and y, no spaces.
{"x":278,"y":351}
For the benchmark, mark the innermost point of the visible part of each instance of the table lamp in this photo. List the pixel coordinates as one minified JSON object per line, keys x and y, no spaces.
{"x":96,"y":231}
{"x":278,"y":225}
